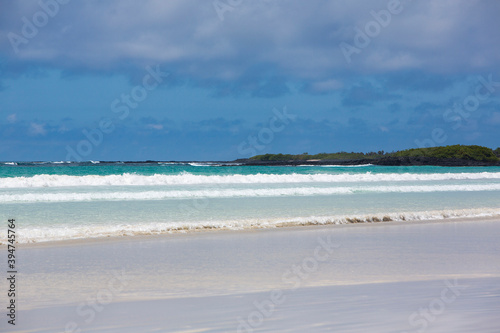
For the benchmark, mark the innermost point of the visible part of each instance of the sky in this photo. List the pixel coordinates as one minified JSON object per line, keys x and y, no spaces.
{"x":228,"y":79}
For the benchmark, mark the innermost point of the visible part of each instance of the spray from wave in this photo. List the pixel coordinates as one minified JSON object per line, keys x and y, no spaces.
{"x":128,"y":179}
{"x":34,"y":235}
{"x":234,"y":193}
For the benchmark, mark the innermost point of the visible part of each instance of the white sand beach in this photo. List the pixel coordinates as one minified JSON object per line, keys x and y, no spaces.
{"x":249,"y":166}
{"x":435,"y":276}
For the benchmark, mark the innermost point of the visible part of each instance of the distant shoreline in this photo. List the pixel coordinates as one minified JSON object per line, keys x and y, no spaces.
{"x":456,"y":155}
{"x":384,"y":161}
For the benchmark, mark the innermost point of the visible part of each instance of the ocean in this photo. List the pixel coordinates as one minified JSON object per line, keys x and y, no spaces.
{"x":53,"y":201}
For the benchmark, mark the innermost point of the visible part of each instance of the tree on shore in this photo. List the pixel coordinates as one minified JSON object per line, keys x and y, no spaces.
{"x":472,"y":152}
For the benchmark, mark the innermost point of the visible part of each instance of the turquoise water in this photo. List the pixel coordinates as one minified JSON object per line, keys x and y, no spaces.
{"x":81,"y":169}
{"x":54,"y":201}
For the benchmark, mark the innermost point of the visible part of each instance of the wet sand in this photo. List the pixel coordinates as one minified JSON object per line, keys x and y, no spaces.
{"x":438,"y":276}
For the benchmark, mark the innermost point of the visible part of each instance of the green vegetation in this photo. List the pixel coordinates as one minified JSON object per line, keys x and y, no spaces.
{"x":322,"y":156}
{"x":476,"y":153}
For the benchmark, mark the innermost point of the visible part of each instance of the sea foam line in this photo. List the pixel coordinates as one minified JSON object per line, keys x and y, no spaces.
{"x":233,"y":193}
{"x":128,"y":179}
{"x":32,"y":235}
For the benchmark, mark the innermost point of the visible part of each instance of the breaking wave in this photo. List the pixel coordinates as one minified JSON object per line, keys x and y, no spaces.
{"x":126,"y":179}
{"x":44,"y":234}
{"x":233,"y":193}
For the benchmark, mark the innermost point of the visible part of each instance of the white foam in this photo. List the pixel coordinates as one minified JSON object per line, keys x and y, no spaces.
{"x":234,"y":193}
{"x":345,"y":166}
{"x":334,"y":165}
{"x":127,"y":179}
{"x":211,"y":164}
{"x":80,"y":232}
{"x":200,"y":164}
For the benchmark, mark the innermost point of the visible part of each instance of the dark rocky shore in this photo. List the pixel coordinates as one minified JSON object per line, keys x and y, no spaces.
{"x":388,"y":161}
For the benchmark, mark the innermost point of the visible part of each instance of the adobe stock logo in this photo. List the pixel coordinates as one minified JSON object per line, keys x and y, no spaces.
{"x":363,"y":38}
{"x":265,"y":136}
{"x":462,"y":111}
{"x":296,"y":275}
{"x":49,"y":9}
{"x":121,"y":107}
{"x":223,"y":6}
{"x":88,"y":311}
{"x":428,"y":314}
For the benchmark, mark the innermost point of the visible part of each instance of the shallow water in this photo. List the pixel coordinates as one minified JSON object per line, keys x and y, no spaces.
{"x":68,"y":201}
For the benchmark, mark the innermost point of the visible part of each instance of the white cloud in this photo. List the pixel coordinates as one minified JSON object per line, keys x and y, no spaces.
{"x":326,"y":86}
{"x":157,"y":127}
{"x":12,"y":118}
{"x":287,"y":38}
{"x":37,"y":129}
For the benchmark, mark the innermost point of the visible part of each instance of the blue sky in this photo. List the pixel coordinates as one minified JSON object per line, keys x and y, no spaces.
{"x":221,"y":80}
